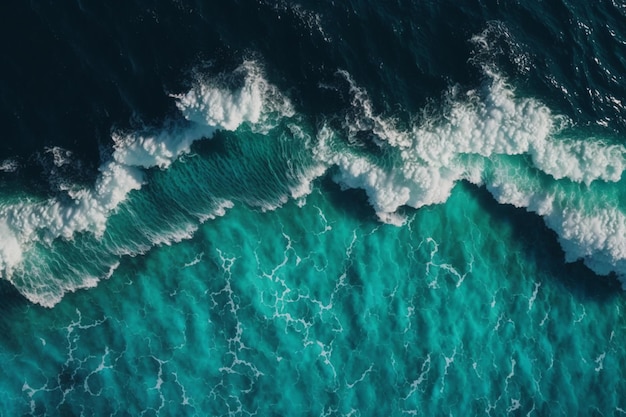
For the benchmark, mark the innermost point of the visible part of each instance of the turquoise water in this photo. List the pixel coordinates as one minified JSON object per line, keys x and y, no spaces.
{"x":322,"y":310}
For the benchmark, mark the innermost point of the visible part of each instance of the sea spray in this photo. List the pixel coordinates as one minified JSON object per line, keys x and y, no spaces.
{"x":476,"y":139}
{"x":33,"y":229}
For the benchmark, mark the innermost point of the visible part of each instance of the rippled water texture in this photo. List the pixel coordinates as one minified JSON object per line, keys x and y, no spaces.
{"x":275,"y":208}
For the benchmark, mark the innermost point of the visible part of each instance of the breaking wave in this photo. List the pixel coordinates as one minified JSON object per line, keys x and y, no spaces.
{"x":514,"y":146}
{"x":33,"y":231}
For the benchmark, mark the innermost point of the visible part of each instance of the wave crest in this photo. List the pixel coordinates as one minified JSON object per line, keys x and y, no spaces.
{"x":30,"y":229}
{"x":489,"y":137}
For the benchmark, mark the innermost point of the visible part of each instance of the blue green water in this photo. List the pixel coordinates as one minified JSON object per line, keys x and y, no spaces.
{"x":322,"y":310}
{"x":277,"y":208}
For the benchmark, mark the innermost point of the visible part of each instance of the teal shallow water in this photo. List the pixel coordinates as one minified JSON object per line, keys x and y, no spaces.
{"x":469,"y":309}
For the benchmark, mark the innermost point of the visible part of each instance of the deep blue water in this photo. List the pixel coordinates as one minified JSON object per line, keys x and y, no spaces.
{"x":314,"y":208}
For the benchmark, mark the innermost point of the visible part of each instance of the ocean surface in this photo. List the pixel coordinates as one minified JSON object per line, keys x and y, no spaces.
{"x":313,"y":208}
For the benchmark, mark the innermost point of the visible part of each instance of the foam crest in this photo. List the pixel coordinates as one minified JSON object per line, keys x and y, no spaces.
{"x":475,"y":140}
{"x":580,"y":161}
{"x":413,"y":184}
{"x":597,"y":238}
{"x":593,"y":233}
{"x":86,"y":210}
{"x":158,"y":149}
{"x":428,"y":157}
{"x":208,"y":107}
{"x":214,"y":104}
{"x":10,"y":250}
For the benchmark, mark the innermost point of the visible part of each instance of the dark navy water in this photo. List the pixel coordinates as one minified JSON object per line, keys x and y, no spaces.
{"x":312,"y":208}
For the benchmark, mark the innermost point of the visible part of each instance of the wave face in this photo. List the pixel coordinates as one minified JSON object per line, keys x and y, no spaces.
{"x":314,"y":209}
{"x":84,"y":221}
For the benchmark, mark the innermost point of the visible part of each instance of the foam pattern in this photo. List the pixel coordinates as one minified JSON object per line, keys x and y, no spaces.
{"x":514,"y":146}
{"x":34,"y":229}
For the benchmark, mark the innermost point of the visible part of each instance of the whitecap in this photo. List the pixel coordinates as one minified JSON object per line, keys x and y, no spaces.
{"x":208,"y":107}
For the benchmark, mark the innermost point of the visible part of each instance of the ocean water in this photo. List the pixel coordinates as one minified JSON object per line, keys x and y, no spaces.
{"x":313,"y":208}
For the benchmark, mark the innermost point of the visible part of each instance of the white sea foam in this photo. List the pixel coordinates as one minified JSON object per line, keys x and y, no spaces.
{"x":580,"y":161}
{"x":598,"y":238}
{"x":9,"y":165}
{"x":60,"y":156}
{"x":427,"y":161}
{"x":211,"y":104}
{"x":208,"y":107}
{"x":422,"y":164}
{"x":304,"y":179}
{"x":595,"y":234}
{"x":9,"y":249}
